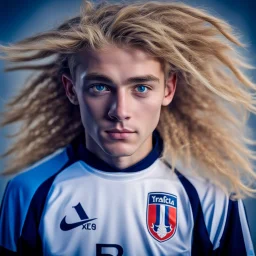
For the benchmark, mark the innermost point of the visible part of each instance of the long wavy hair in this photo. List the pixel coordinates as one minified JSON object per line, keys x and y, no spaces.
{"x":206,"y":121}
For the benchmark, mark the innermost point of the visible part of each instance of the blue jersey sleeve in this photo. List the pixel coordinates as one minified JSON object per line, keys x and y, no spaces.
{"x":10,"y":221}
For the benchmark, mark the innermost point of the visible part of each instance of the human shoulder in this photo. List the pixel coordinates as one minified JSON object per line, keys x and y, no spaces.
{"x":22,"y":187}
{"x":207,"y":190}
{"x":33,"y":176}
{"x":191,"y":178}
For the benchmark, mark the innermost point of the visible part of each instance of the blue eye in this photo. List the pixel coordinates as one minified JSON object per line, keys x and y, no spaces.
{"x":142,"y":88}
{"x":100,"y":87}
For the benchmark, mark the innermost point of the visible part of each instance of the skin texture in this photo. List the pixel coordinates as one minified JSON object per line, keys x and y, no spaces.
{"x":119,"y":103}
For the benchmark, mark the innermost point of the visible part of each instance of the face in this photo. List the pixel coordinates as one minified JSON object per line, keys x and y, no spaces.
{"x":122,"y":89}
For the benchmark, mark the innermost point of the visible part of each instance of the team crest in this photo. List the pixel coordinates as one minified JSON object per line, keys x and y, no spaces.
{"x":161,"y":215}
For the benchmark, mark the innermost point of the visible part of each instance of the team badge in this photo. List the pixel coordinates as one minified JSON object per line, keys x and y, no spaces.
{"x":161,"y":215}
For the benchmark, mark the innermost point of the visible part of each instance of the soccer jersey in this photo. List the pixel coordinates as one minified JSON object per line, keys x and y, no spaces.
{"x":72,"y":203}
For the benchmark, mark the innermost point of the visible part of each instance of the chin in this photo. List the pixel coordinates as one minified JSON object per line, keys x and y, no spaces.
{"x":118,"y":151}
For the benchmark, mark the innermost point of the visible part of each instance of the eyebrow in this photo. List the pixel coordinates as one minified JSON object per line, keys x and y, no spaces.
{"x":131,"y":80}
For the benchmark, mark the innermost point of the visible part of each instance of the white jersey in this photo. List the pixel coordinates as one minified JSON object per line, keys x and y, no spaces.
{"x":73,"y":203}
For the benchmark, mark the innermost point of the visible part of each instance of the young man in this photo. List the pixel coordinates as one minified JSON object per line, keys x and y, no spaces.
{"x":134,"y":90}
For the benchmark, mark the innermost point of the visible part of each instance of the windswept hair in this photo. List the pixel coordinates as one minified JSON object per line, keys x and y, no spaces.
{"x":206,"y":121}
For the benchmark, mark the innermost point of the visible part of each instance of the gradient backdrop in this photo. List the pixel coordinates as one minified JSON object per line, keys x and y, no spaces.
{"x":22,"y":18}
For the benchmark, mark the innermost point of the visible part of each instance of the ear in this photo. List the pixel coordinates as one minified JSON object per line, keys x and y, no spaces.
{"x":170,"y":88}
{"x":70,"y":89}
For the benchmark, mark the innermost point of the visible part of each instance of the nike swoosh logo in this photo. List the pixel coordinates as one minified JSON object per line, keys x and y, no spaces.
{"x":68,"y":226}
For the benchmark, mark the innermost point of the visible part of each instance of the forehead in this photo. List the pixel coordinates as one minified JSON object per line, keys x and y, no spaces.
{"x":112,"y":58}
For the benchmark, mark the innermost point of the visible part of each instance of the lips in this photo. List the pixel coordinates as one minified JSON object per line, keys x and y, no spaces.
{"x":120,"y":131}
{"x":116,"y":134}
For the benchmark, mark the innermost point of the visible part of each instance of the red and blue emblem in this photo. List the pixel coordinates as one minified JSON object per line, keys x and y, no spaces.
{"x":161,"y":215}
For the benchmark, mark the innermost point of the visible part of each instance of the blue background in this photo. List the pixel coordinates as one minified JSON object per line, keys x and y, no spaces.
{"x":22,"y":18}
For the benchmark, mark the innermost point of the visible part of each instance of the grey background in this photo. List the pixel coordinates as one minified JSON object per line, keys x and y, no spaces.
{"x":22,"y":18}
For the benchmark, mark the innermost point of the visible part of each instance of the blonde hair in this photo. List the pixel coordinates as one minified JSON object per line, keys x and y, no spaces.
{"x":207,"y":118}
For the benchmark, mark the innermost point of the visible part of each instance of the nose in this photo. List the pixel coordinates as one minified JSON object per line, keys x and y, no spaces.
{"x":119,"y":109}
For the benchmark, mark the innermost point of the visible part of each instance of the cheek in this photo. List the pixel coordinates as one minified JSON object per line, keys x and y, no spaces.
{"x":154,"y":103}
{"x":91,"y":109}
{"x":150,"y":111}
